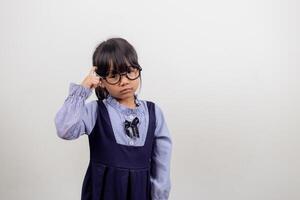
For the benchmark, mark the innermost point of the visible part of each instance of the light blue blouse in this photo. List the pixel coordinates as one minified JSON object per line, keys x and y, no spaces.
{"x":76,"y":118}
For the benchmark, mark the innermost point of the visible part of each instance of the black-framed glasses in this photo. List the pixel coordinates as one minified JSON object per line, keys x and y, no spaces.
{"x":131,"y":74}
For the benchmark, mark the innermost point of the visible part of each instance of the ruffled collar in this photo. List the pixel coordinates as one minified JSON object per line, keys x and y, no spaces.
{"x":122,"y":108}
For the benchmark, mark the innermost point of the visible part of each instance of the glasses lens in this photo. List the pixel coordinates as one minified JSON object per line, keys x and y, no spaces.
{"x":113,"y":78}
{"x":133,"y":73}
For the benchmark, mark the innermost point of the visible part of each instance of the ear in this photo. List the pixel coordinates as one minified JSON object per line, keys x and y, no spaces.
{"x":100,"y":84}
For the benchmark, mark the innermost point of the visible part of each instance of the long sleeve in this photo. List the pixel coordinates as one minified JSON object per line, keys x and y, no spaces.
{"x":76,"y":118}
{"x":160,"y":172}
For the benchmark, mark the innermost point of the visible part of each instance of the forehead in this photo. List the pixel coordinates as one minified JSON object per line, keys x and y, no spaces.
{"x":115,"y":67}
{"x":118,"y":69}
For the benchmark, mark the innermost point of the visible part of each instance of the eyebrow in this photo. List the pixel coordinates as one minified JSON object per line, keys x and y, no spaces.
{"x":114,"y":71}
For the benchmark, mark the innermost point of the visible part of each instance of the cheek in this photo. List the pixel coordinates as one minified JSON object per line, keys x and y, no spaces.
{"x":111,"y":88}
{"x":136,"y":82}
{"x":107,"y":87}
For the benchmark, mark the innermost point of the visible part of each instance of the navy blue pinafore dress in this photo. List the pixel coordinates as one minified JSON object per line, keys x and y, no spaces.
{"x":116,"y":171}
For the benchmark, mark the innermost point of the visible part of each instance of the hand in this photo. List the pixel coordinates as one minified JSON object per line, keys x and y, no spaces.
{"x":92,"y":80}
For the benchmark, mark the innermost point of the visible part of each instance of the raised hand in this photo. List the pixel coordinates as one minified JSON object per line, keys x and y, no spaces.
{"x":92,"y":80}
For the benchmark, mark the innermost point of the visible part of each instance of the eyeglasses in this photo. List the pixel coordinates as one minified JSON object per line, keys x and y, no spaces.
{"x":131,"y":74}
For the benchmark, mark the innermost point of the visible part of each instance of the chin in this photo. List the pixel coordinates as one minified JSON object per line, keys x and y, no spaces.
{"x":126,"y":95}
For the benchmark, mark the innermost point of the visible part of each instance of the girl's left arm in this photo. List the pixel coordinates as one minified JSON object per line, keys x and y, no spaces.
{"x":161,"y":158}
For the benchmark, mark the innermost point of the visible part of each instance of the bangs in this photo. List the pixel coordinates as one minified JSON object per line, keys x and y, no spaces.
{"x":114,"y":56}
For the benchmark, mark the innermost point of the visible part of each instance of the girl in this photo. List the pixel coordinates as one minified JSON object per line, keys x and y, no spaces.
{"x":129,"y":142}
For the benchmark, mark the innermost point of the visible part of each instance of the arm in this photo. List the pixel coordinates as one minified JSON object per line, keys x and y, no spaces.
{"x":76,"y":118}
{"x":160,"y":172}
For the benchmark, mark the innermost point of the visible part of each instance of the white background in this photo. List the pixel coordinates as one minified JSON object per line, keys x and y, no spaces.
{"x":225,"y":73}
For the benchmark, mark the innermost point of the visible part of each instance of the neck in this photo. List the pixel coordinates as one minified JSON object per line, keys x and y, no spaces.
{"x":128,"y":102}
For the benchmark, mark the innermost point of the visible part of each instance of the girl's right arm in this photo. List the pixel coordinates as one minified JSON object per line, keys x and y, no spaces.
{"x":76,"y":118}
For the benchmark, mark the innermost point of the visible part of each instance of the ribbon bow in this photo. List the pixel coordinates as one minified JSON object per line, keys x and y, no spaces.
{"x":131,"y":128}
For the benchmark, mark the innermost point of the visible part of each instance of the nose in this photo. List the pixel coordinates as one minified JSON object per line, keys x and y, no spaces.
{"x":124,"y":80}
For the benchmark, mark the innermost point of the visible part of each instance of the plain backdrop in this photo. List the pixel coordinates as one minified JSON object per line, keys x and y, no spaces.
{"x":225,"y":73}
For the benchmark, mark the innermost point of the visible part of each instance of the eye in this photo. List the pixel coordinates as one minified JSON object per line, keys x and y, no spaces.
{"x":112,"y":76}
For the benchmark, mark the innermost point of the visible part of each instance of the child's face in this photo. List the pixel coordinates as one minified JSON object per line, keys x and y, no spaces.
{"x":124,"y":89}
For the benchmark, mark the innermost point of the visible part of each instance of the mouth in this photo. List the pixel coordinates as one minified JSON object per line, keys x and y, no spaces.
{"x":126,"y":90}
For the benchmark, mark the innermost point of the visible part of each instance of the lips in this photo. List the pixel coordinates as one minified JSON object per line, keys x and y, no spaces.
{"x":126,"y":90}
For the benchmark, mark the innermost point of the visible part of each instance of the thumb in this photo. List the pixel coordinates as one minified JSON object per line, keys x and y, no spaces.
{"x":93,"y":70}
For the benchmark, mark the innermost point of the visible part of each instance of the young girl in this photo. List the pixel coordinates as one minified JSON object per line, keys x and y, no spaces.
{"x":130,"y":145}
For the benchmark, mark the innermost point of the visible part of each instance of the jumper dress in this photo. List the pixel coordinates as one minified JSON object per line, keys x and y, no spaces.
{"x":116,"y":171}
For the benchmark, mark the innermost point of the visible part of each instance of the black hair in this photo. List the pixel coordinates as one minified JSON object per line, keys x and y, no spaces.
{"x":113,"y":55}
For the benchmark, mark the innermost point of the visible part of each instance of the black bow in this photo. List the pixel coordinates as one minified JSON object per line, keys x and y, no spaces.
{"x":131,"y":128}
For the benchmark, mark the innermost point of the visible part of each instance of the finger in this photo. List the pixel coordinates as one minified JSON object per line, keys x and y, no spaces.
{"x":95,"y":84}
{"x":95,"y":81}
{"x":96,"y":78}
{"x":92,"y":71}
